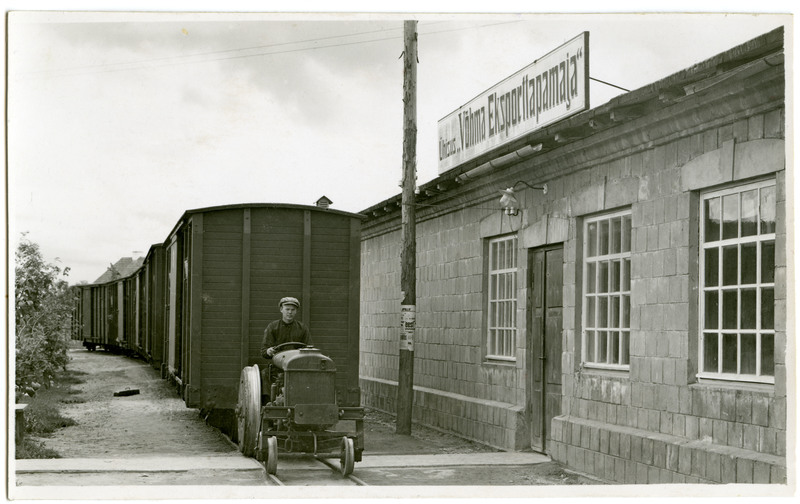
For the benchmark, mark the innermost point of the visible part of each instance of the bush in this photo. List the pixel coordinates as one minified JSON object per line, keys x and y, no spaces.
{"x":43,"y":304}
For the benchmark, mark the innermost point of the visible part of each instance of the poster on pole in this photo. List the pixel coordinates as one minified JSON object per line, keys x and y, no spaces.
{"x":408,"y":322}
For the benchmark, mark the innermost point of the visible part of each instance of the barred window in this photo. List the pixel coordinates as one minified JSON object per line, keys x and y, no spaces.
{"x":737,"y":277}
{"x":607,"y":290}
{"x":502,"y":326}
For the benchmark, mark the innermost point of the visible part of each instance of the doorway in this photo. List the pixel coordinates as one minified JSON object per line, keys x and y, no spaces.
{"x":544,"y":368}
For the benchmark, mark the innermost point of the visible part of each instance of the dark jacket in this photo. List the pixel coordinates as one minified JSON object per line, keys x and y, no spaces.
{"x":278,"y":332}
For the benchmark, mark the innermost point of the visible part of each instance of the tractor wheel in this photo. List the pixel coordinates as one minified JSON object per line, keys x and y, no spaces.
{"x":347,"y":457}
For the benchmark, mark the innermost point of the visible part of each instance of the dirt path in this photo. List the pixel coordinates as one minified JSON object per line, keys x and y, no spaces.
{"x":155,"y":421}
{"x":152,"y":438}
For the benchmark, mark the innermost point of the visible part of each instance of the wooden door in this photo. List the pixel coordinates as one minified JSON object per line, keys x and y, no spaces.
{"x":546,"y":283}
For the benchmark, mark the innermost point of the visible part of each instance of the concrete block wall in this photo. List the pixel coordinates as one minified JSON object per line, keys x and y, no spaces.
{"x":380,"y":307}
{"x":455,"y":390}
{"x":708,"y":428}
{"x":629,"y":455}
{"x":492,"y":423}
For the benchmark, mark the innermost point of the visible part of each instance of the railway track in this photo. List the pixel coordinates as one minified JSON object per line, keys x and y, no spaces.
{"x":306,"y":470}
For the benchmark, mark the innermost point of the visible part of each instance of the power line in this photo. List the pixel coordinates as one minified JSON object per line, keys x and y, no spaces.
{"x":223,"y":51}
{"x":145,"y":64}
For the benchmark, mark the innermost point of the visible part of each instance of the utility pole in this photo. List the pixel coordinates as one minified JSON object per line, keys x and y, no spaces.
{"x":408,"y":252}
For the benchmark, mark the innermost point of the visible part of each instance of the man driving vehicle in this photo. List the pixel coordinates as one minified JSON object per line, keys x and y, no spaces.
{"x":285,"y":329}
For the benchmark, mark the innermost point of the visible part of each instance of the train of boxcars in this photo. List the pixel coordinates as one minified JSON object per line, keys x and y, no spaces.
{"x":197,"y":307}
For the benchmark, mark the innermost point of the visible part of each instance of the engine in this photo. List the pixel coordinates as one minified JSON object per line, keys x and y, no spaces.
{"x":304,"y":384}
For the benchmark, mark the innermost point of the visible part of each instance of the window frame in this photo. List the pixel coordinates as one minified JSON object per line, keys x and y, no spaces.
{"x":759,"y":286}
{"x":506,"y":328}
{"x":623,"y":257}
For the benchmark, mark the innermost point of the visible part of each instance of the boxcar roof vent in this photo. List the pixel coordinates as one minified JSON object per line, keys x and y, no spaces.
{"x":323,"y":202}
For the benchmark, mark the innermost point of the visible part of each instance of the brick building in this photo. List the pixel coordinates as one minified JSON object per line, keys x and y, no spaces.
{"x":631,"y":320}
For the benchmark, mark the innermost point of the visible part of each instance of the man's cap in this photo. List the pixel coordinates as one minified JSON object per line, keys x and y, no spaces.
{"x":289,"y":300}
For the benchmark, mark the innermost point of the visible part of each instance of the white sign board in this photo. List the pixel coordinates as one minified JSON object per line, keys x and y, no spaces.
{"x":551,"y":88}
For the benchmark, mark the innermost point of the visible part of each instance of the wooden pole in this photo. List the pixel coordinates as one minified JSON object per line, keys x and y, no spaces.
{"x":408,"y":252}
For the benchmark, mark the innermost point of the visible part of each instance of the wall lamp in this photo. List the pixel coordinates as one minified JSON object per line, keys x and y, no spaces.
{"x":509,"y":202}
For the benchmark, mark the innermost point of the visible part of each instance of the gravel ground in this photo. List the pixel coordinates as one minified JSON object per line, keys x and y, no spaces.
{"x":156,"y":422}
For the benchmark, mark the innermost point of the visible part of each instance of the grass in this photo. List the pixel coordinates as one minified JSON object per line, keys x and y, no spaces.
{"x":43,"y":414}
{"x":33,"y":449}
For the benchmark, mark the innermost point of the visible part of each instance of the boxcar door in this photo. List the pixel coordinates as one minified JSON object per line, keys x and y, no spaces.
{"x":544,"y":367}
{"x":172,"y":298}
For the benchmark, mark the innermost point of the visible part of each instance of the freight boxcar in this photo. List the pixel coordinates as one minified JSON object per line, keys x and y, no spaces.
{"x":150,"y":291}
{"x":108,"y":313}
{"x":227,"y":268}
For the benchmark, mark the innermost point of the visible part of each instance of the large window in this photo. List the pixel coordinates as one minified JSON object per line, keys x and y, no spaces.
{"x":502,"y":326}
{"x":737,"y":302}
{"x":607,"y":290}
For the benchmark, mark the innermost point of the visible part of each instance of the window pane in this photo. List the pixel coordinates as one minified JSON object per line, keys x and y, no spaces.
{"x":602,"y":311}
{"x":591,"y":246}
{"x":602,"y":278}
{"x":615,"y":276}
{"x":730,"y":265}
{"x":750,"y":212}
{"x":749,"y":263}
{"x":711,"y":310}
{"x":730,"y":216}
{"x":591,"y":274}
{"x":626,"y":275}
{"x":603,"y":238}
{"x":712,"y":267}
{"x":768,"y":262}
{"x":712,"y":219}
{"x":502,"y":292}
{"x":729,"y":311}
{"x":767,"y":308}
{"x":747,"y":317}
{"x":626,"y":312}
{"x":729,"y":353}
{"x":625,"y":355}
{"x":767,"y":210}
{"x":626,"y":233}
{"x":602,"y":351}
{"x":767,"y":355}
{"x":614,"y":311}
{"x":710,"y":353}
{"x":616,"y":235}
{"x":748,"y":351}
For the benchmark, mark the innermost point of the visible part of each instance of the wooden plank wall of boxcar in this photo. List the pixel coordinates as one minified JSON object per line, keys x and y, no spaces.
{"x":86,"y":317}
{"x":333,"y":285}
{"x":243,"y":261}
{"x":215,"y":343}
{"x":276,"y":271}
{"x":156,"y":300}
{"x":99,"y":314}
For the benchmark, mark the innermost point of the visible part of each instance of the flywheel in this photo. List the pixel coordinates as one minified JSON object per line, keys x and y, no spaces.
{"x":248,"y":409}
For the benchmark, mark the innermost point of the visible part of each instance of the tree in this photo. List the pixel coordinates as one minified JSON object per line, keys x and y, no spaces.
{"x":43,"y":304}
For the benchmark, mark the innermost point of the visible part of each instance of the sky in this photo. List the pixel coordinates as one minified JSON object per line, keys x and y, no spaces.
{"x":118,"y":122}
